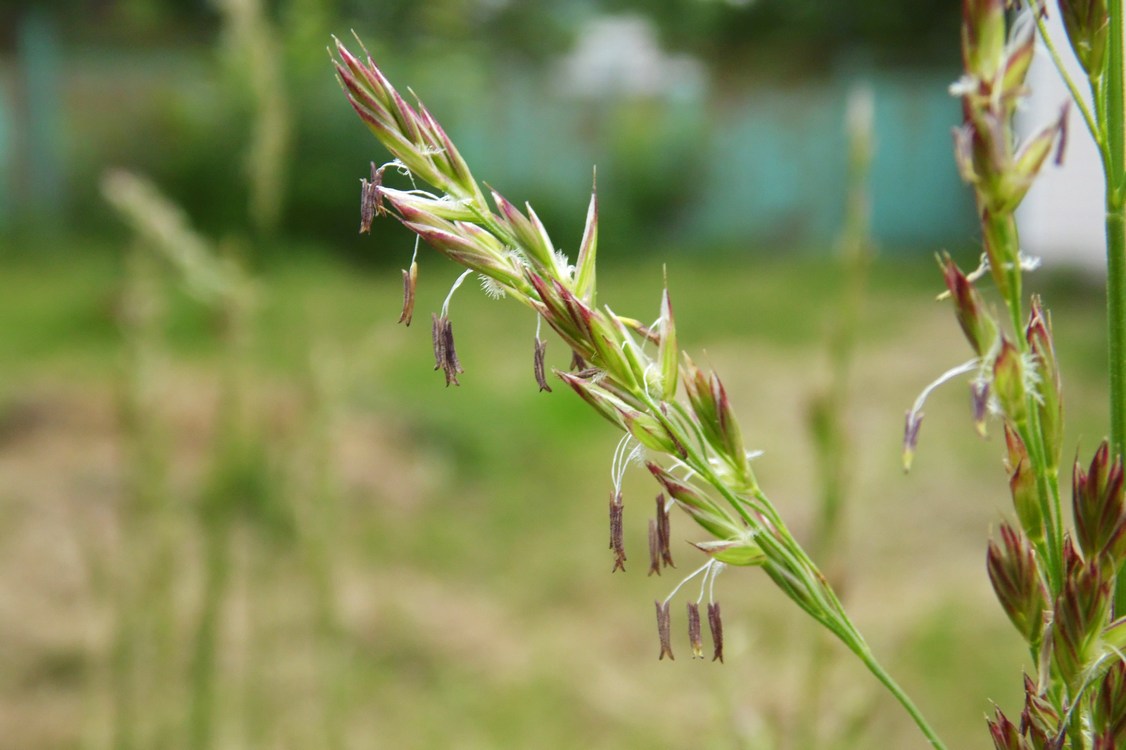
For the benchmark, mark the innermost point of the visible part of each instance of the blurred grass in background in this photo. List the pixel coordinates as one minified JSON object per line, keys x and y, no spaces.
{"x":466,"y":529}
{"x":438,"y":576}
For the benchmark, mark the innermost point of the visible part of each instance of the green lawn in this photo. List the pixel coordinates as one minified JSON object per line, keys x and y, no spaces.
{"x":445,"y":582}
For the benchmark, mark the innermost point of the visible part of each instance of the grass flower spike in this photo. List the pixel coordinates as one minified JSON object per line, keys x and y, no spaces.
{"x":629,"y":372}
{"x":1055,"y":581}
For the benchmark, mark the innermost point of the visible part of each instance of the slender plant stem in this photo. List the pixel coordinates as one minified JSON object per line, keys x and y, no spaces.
{"x":1047,"y":490}
{"x":1072,"y":87}
{"x":202,"y":706}
{"x":319,"y":527}
{"x":1116,"y":333}
{"x":1116,"y":229}
{"x":893,"y":687}
{"x":828,"y":412}
{"x":1116,"y":323}
{"x":1114,"y":167}
{"x":1002,"y":231}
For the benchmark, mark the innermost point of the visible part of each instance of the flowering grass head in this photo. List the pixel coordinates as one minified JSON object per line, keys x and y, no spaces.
{"x":677,"y":417}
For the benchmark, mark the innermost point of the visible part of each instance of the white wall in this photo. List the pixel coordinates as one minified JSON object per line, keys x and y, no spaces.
{"x":1061,"y":218}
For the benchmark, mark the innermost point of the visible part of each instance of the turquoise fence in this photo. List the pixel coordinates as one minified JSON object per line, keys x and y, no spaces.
{"x":764,"y":165}
{"x":778,"y":166}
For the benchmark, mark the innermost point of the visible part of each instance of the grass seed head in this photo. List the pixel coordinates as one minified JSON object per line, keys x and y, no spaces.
{"x":1005,"y":734}
{"x":603,"y":401}
{"x":1017,"y":581}
{"x":1049,"y":402}
{"x":983,"y":37}
{"x":667,"y":353}
{"x":1087,"y":23}
{"x":1039,"y":720}
{"x":1098,"y":504}
{"x":1080,"y":613}
{"x":1009,"y":383}
{"x":1108,"y":719}
{"x":585,"y":274}
{"x":977,"y":324}
{"x":1022,"y":486}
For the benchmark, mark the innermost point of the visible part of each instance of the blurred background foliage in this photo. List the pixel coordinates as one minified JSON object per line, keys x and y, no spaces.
{"x":353,"y":555}
{"x":700,"y":104}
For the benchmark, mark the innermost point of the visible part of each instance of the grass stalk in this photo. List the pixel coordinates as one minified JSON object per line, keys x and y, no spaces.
{"x":144,"y":479}
{"x":232,"y":487}
{"x":1089,"y":119}
{"x":123,"y":669}
{"x":203,"y":677}
{"x":828,"y":412}
{"x":319,"y":527}
{"x":901,"y":696}
{"x":148,"y":523}
{"x":235,"y":482}
{"x":1114,"y":167}
{"x":1116,"y":323}
{"x":252,"y":43}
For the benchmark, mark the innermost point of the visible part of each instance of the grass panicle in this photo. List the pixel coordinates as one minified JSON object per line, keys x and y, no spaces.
{"x":633,"y":371}
{"x":1055,"y":580}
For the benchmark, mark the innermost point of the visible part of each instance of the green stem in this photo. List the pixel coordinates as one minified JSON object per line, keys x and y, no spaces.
{"x":1047,"y":490}
{"x":1002,"y":232}
{"x":1116,"y":347}
{"x":1073,"y":88}
{"x":1116,"y":323}
{"x":893,"y":687}
{"x":202,"y":703}
{"x":1114,"y":167}
{"x":1116,"y":229}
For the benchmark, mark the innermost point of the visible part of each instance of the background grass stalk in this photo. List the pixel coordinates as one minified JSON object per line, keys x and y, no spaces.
{"x":828,"y":411}
{"x":202,"y":706}
{"x":319,"y":523}
{"x":234,"y":486}
{"x":855,"y":259}
{"x":252,"y":44}
{"x":236,"y":480}
{"x":148,"y":524}
{"x":145,"y":484}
